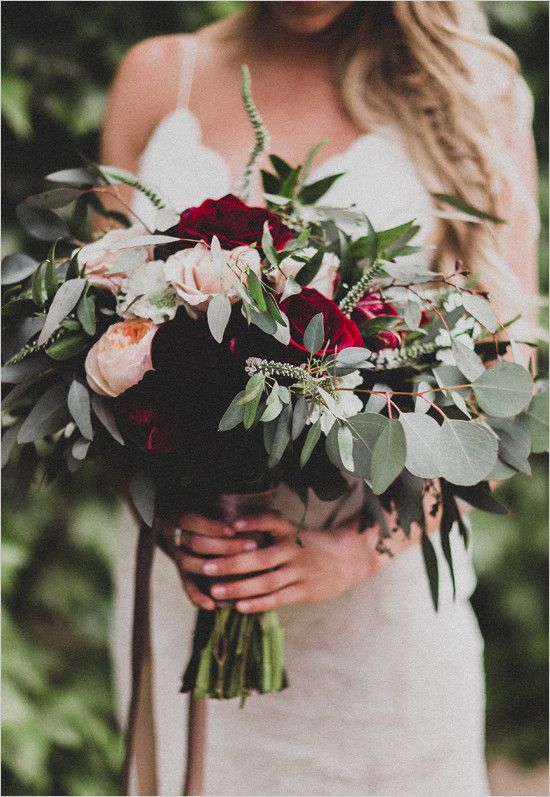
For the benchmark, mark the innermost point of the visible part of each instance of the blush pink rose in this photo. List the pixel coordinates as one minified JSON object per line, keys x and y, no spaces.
{"x":196,"y":278}
{"x":97,"y":259}
{"x":120,"y":357}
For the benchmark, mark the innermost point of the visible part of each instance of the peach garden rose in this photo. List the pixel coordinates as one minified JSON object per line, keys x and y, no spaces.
{"x":121,"y":357}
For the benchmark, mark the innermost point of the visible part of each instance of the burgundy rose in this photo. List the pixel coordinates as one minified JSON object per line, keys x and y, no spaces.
{"x":232,"y":221}
{"x":340,"y":331}
{"x":373,"y":306}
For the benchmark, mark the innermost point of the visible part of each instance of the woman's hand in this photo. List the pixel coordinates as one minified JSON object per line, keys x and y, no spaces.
{"x":329,"y":563}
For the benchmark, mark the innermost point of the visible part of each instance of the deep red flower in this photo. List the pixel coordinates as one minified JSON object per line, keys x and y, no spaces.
{"x":373,"y":306}
{"x":232,"y":221}
{"x":340,"y":331}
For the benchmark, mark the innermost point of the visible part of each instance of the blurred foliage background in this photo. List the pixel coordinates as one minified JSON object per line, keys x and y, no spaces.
{"x":60,"y":735}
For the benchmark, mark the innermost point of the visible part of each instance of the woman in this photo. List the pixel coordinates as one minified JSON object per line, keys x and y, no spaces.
{"x":413,"y":97}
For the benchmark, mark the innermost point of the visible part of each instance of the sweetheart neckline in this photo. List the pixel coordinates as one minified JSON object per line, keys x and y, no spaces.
{"x":182,"y":110}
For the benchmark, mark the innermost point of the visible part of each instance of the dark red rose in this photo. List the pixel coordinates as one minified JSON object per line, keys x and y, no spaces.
{"x":373,"y":306}
{"x":232,"y":221}
{"x":340,"y":331}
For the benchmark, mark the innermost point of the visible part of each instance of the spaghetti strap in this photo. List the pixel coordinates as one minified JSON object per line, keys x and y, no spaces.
{"x":190,"y":48}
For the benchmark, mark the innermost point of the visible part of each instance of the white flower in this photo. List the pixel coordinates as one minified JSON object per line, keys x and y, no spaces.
{"x":196,"y":278}
{"x":465,"y":331}
{"x":146,"y":294}
{"x":324,"y":280}
{"x":98,"y":259}
{"x":344,"y":403}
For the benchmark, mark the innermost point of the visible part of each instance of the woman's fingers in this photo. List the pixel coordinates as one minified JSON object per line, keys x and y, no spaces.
{"x":198,"y":524}
{"x":249,"y":562}
{"x":275,"y":524}
{"x":282,"y":597}
{"x":257,"y":585}
{"x":194,"y":594}
{"x":216,"y":546}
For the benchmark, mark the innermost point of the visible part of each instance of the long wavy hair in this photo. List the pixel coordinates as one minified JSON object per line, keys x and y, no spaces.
{"x":434,"y":72}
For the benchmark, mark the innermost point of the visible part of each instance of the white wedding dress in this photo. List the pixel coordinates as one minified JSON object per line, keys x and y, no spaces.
{"x":386,"y":697}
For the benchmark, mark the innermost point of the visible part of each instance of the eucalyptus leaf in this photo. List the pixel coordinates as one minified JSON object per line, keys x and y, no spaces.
{"x":233,"y":415}
{"x":256,"y":291}
{"x":268,"y":247}
{"x":535,"y":419}
{"x":142,"y":493}
{"x":432,"y":570}
{"x":314,"y":334}
{"x":54,"y":198}
{"x":20,"y":372}
{"x":412,"y":314}
{"x":63,"y":303}
{"x":9,"y":441}
{"x":264,"y":321}
{"x":504,"y":390}
{"x":17,"y":267}
{"x":68,"y":346}
{"x":480,"y":309}
{"x":388,"y":456}
{"x":143,"y":240}
{"x":281,"y":437}
{"x":218,"y":315}
{"x":78,"y":401}
{"x":291,"y":288}
{"x":345,"y":446}
{"x":312,"y":438}
{"x":409,"y":274}
{"x":80,"y":448}
{"x":85,"y":312}
{"x":299,"y":417}
{"x":468,"y":362}
{"x":78,"y":177}
{"x":376,"y":401}
{"x":105,"y":415}
{"x":501,"y":472}
{"x":422,"y":435}
{"x":46,"y":417}
{"x":41,"y":223}
{"x":271,"y":411}
{"x":514,"y":442}
{"x":422,"y":404}
{"x":467,"y":452}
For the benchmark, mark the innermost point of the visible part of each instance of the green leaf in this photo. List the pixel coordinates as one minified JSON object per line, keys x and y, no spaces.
{"x":467,"y":452}
{"x":267,"y":246}
{"x":263,"y":321}
{"x":270,"y":184}
{"x":233,"y":415}
{"x":308,"y":162}
{"x":535,"y":419}
{"x":50,"y":279}
{"x":504,"y":390}
{"x":78,"y":401}
{"x":252,"y":397}
{"x":67,"y":346}
{"x":54,"y":198}
{"x":142,"y":493}
{"x":459,"y":204}
{"x":432,"y":571}
{"x":448,"y":518}
{"x":282,"y":168}
{"x":480,"y":309}
{"x":395,"y":234}
{"x":422,"y":439}
{"x":309,"y":270}
{"x":345,"y":446}
{"x":467,"y":361}
{"x":106,"y":417}
{"x":218,"y":315}
{"x":41,"y":223}
{"x":366,"y":428}
{"x":314,"y":334}
{"x":256,"y":291}
{"x":85,"y":312}
{"x":412,"y":315}
{"x":272,"y":410}
{"x":312,"y":438}
{"x":254,"y":388}
{"x":273,"y":309}
{"x":420,"y":403}
{"x":63,"y":303}
{"x":388,"y":456}
{"x":289,"y":184}
{"x":309,"y":194}
{"x":48,"y":415}
{"x":299,"y":417}
{"x":17,"y":267}
{"x":38,"y":289}
{"x":514,"y":442}
{"x":78,"y":177}
{"x":281,"y":437}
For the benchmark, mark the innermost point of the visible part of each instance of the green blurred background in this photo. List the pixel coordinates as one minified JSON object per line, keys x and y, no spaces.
{"x":59,"y":731}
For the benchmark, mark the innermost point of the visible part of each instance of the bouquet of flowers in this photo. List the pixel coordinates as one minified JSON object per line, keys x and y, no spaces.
{"x":232,"y":348}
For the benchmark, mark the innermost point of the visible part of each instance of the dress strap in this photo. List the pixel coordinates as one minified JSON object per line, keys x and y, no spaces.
{"x":190,"y":48}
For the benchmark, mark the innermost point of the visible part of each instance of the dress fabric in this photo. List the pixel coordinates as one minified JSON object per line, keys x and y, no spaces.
{"x":386,"y":696}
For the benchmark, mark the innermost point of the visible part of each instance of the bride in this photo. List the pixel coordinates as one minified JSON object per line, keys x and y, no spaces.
{"x":386,"y":696}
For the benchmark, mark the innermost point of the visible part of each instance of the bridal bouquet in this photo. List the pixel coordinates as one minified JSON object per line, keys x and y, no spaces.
{"x":232,"y":348}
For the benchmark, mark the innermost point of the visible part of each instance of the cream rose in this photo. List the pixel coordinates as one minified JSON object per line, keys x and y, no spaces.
{"x":325,"y":278}
{"x":98,"y":259}
{"x":120,"y":357}
{"x":195,"y":273}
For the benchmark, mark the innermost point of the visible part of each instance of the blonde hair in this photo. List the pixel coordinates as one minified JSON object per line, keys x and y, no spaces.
{"x":433,"y":71}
